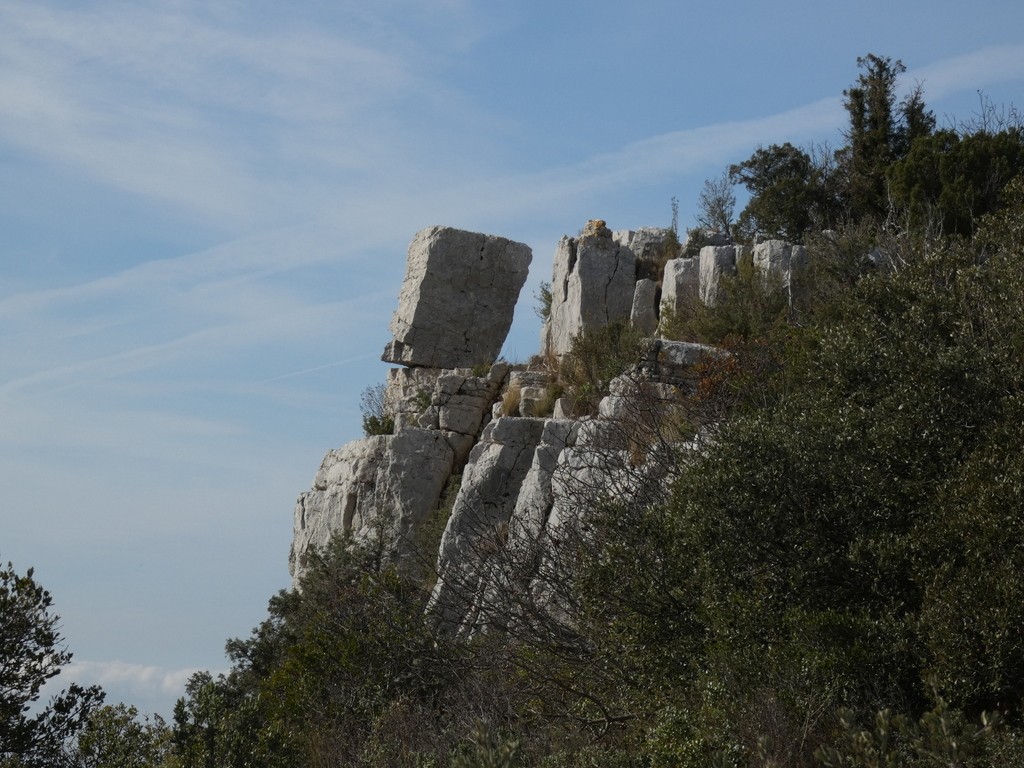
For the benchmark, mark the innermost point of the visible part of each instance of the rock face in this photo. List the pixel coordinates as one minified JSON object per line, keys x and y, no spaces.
{"x":592,"y":286}
{"x":644,"y":314}
{"x":529,"y":482}
{"x":679,"y":285}
{"x":715,"y":261}
{"x":652,"y":247}
{"x":777,"y":260}
{"x":451,"y":400}
{"x":456,"y":303}
{"x":381,"y":487}
{"x":478,"y":526}
{"x":384,"y":487}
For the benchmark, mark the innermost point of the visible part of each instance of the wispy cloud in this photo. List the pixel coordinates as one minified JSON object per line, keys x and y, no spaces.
{"x":128,"y":675}
{"x":201,"y":109}
{"x":971,"y":71}
{"x":151,"y":688}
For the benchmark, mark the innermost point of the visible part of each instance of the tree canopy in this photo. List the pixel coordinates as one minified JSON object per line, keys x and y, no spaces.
{"x":31,"y":653}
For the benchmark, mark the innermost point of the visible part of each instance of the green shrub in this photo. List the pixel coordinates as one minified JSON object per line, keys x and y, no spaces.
{"x":595,"y":358}
{"x":378,"y":415}
{"x":749,"y":306}
{"x":487,"y":749}
{"x":543,"y":296}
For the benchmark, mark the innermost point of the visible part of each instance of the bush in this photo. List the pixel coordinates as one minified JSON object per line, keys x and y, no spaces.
{"x":749,"y":306}
{"x":544,"y":298}
{"x":378,"y":414}
{"x":595,"y":358}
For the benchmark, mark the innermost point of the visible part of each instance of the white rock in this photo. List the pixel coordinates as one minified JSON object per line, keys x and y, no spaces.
{"x":384,"y":486}
{"x":650,"y":246}
{"x":592,"y":286}
{"x":456,"y":303}
{"x":715,"y":261}
{"x":679,"y":285}
{"x":644,"y":316}
{"x":777,"y":261}
{"x":478,"y":526}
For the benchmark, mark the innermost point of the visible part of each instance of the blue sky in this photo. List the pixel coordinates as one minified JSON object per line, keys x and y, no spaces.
{"x":204,"y":211}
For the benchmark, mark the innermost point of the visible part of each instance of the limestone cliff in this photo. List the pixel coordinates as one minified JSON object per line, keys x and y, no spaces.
{"x":527,"y":473}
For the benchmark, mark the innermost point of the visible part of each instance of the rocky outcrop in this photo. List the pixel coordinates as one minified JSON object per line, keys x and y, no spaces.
{"x":715,"y":262}
{"x":478,"y":526}
{"x":528,"y":481}
{"x":679,"y":285}
{"x":777,"y":260}
{"x":644,"y":314}
{"x":456,"y":303}
{"x":455,"y":401}
{"x":651,"y":246}
{"x":384,"y":487}
{"x":592,"y":286}
{"x":380,"y":488}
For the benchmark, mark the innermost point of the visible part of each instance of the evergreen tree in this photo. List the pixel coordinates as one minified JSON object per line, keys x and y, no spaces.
{"x":31,"y":653}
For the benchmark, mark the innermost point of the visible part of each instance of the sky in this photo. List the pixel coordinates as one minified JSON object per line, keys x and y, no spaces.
{"x":204,"y":214}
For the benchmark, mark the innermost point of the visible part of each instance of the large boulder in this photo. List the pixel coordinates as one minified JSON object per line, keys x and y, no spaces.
{"x":592,"y":286}
{"x":456,"y":303}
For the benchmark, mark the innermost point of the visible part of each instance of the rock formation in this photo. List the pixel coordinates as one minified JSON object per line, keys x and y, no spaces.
{"x":715,"y":262}
{"x":592,"y":285}
{"x":527,"y":477}
{"x":457,"y":299}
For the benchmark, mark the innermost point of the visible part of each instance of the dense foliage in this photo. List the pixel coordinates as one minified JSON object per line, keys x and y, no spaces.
{"x":832,"y":582}
{"x":896,"y":170}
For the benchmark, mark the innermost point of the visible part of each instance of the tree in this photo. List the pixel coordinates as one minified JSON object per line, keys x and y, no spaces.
{"x":872,"y":133}
{"x":790,"y":192}
{"x":947,"y":181}
{"x":378,"y":413}
{"x":716,"y":204}
{"x":31,"y":653}
{"x":116,"y":737}
{"x":849,"y":532}
{"x":880,"y":132}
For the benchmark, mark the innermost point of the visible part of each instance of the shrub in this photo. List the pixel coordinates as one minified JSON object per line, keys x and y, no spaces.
{"x":510,"y":401}
{"x":543,"y":296}
{"x":595,"y":358}
{"x":378,"y":414}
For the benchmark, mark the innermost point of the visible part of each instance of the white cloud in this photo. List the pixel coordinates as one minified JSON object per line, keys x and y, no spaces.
{"x":971,"y":71}
{"x":141,"y":678}
{"x":150,"y":688}
{"x":228,"y":119}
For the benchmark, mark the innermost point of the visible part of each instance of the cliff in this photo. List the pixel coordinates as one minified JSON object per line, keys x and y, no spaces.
{"x":522,"y":463}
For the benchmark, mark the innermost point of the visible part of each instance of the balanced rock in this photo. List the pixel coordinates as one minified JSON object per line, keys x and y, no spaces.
{"x":456,"y":303}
